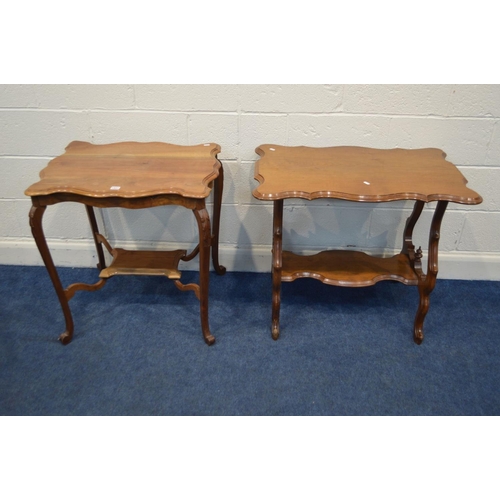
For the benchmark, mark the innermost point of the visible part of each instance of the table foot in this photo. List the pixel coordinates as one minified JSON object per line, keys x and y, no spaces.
{"x":209,"y":339}
{"x":275,"y":330}
{"x":65,"y":338}
{"x":418,"y":336}
{"x":220,"y":270}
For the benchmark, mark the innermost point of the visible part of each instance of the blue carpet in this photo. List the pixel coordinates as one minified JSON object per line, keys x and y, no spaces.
{"x":138,"y":348}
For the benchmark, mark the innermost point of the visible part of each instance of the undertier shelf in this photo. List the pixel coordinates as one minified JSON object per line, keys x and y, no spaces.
{"x":348,"y":268}
{"x":144,"y":262}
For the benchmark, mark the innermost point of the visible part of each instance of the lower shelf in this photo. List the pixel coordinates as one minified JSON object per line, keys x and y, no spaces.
{"x":347,"y":268}
{"x":151,"y":263}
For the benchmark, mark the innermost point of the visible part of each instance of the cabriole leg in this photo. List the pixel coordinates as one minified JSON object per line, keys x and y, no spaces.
{"x":276,"y":267}
{"x":203,"y":220}
{"x":218,"y":186}
{"x":35,"y":218}
{"x":408,"y":247}
{"x":95,"y":232}
{"x":427,"y":282}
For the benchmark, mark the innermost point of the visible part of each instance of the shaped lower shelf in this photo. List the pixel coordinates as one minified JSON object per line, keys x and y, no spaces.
{"x":144,"y":262}
{"x":348,"y":268}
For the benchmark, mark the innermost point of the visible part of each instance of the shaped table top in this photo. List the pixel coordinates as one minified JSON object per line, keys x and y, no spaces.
{"x":130,"y":170}
{"x":359,"y":174}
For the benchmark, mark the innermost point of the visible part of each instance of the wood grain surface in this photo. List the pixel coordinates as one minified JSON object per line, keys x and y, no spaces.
{"x":359,"y":174}
{"x":130,"y":170}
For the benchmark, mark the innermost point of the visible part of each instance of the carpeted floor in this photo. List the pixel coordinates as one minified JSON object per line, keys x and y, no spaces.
{"x":138,"y":348}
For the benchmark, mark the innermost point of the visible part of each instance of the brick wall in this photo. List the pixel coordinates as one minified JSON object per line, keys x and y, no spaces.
{"x":38,"y":121}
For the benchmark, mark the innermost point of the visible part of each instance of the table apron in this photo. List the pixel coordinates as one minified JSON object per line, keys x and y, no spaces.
{"x":109,"y":202}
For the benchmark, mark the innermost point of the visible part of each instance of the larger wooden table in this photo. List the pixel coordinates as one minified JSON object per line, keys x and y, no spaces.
{"x":361,"y":175}
{"x":134,"y":175}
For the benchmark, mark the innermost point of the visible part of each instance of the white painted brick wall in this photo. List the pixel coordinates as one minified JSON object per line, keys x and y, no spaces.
{"x":143,"y":126}
{"x":185,"y":98}
{"x":291,"y":98}
{"x":38,"y":121}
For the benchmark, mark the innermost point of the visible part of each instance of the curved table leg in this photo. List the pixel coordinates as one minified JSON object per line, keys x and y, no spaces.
{"x":408,"y":246}
{"x":218,"y":187}
{"x":427,"y":282}
{"x":95,"y":231}
{"x":35,"y":218}
{"x":203,"y":220}
{"x":276,"y":267}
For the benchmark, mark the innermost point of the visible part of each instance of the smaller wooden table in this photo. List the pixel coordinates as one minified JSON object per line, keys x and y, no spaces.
{"x":362,"y":175}
{"x":134,"y":175}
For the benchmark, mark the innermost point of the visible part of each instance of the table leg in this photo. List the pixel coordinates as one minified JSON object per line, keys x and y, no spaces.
{"x":95,"y":232}
{"x":408,"y":247}
{"x":35,"y":218}
{"x":427,"y":282}
{"x":218,"y":187}
{"x":276,"y":267}
{"x":203,"y":220}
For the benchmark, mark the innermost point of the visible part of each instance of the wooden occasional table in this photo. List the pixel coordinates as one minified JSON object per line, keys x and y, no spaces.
{"x":362,"y":175}
{"x":134,"y":175}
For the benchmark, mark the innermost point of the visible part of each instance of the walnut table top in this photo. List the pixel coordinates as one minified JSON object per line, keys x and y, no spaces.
{"x":359,"y":174}
{"x":130,"y":170}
